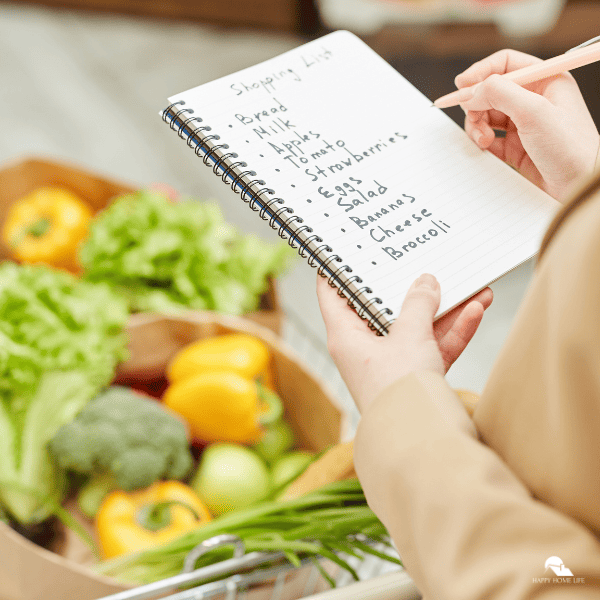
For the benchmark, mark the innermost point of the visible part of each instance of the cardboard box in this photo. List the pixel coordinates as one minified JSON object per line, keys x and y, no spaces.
{"x":29,"y":572}
{"x":20,"y":177}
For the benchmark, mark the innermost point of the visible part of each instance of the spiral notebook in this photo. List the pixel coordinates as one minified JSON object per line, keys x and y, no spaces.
{"x":355,"y":168}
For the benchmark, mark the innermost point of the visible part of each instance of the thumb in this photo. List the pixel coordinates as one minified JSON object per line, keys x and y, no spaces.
{"x":420,"y":305}
{"x":527,"y":110}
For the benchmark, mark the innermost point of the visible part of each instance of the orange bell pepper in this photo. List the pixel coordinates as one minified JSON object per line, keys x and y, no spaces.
{"x":133,"y":521}
{"x":47,"y":226}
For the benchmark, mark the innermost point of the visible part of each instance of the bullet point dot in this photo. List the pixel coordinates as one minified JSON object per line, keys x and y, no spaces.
{"x":277,"y":170}
{"x":261,"y":155}
{"x":343,"y":231}
{"x":293,"y":185}
{"x":359,"y":247}
{"x":231,"y":126}
{"x":373,"y":262}
{"x":309,"y":201}
{"x":326,"y":215}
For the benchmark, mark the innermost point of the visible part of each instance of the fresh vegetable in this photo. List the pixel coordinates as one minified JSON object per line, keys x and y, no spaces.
{"x":277,"y":439}
{"x":91,"y":494}
{"x":289,"y":466}
{"x":130,"y":522}
{"x":47,"y":226}
{"x":318,"y":524}
{"x":241,"y":353}
{"x":60,"y":341}
{"x":231,"y":477}
{"x":168,"y":256}
{"x":223,"y":406}
{"x":123,"y":436}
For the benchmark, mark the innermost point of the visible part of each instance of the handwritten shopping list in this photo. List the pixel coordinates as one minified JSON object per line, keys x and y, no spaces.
{"x":390,"y":184}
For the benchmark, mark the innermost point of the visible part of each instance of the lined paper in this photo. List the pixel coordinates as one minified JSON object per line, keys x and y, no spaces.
{"x":393,"y":185}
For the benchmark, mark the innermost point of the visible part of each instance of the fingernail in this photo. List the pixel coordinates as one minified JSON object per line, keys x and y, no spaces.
{"x":477,"y":135}
{"x":427,"y":280}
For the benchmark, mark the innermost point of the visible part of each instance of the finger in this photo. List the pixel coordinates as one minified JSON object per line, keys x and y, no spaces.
{"x":511,"y":151}
{"x":485,"y":297}
{"x":338,"y":317}
{"x":500,"y":62}
{"x":481,"y":133}
{"x":475,"y":115}
{"x":445,"y":323}
{"x":494,"y":118}
{"x":420,"y":305}
{"x":460,"y":334}
{"x":497,"y":119}
{"x":528,"y":111}
{"x":498,"y":149}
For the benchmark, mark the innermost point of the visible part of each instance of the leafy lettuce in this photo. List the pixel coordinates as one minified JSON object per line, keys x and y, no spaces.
{"x":60,"y":341}
{"x":171,"y":256}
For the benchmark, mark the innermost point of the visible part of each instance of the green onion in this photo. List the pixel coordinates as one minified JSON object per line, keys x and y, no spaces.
{"x":330,"y":522}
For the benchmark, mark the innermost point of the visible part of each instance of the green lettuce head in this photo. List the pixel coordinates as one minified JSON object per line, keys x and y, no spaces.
{"x":60,"y":342}
{"x":169,"y":257}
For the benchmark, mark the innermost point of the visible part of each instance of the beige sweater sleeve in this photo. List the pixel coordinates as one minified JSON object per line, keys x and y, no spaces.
{"x":465,"y":526}
{"x":476,"y":515}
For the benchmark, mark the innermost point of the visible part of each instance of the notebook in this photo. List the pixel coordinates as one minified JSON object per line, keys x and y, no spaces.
{"x":356,"y":169}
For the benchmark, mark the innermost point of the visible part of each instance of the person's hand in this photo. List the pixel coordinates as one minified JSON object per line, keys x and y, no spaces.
{"x":550,"y":138}
{"x":369,"y":363}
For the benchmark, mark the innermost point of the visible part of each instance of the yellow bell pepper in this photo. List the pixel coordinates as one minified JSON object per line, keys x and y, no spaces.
{"x":223,"y":406}
{"x":47,"y":226}
{"x":241,"y":353}
{"x":133,"y":521}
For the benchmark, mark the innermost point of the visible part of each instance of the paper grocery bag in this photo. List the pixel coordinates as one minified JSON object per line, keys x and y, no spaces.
{"x":29,"y":572}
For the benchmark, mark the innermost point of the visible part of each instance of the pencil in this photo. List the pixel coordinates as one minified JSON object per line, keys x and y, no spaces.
{"x":548,"y":68}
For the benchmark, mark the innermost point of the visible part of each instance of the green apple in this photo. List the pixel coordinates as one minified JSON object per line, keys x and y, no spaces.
{"x":276,"y":440}
{"x":230,"y":477}
{"x":289,"y":466}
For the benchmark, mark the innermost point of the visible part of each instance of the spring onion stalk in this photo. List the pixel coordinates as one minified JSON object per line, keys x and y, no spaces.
{"x":330,"y":522}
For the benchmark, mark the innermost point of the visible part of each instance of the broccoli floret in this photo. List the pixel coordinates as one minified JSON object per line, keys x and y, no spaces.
{"x":121,"y":435}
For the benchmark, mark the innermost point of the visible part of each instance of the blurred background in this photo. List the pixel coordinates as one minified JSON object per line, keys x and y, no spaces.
{"x":83,"y":81}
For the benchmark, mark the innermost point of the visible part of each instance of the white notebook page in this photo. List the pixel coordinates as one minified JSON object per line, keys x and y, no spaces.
{"x":393,"y":185}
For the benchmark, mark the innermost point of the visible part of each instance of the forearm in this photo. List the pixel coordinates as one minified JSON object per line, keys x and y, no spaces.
{"x":464,"y":525}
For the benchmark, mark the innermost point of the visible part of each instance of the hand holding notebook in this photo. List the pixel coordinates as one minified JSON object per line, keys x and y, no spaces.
{"x":350,"y":162}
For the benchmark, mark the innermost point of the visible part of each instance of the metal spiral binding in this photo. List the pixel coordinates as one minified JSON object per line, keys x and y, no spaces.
{"x":280,"y":217}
